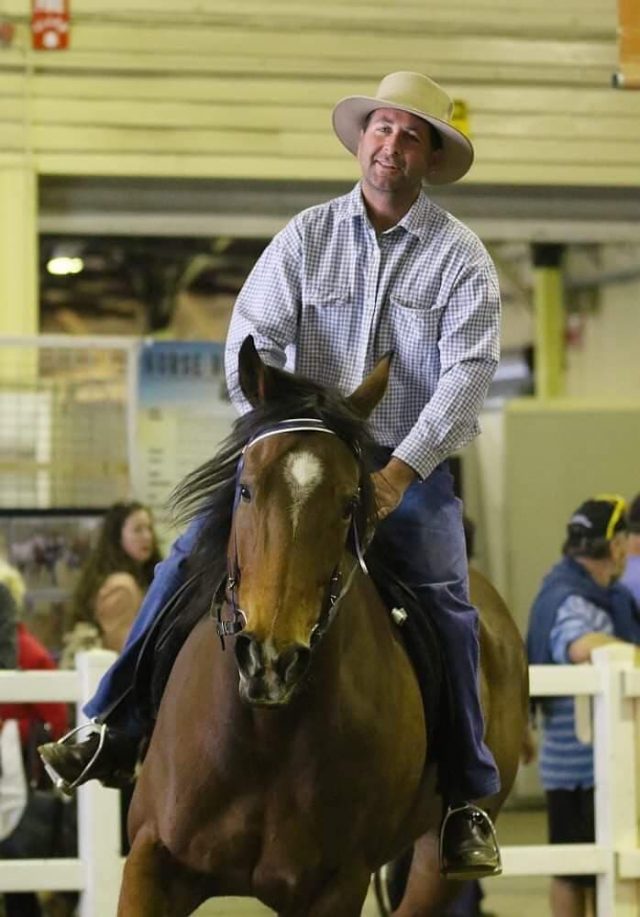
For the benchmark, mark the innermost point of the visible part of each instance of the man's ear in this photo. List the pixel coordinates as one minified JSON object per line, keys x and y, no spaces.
{"x":434,"y":161}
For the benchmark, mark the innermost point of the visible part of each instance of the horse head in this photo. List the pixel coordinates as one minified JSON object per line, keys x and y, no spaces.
{"x":299,"y":493}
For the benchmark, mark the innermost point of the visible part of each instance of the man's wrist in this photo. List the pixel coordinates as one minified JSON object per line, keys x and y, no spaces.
{"x":400,"y":474}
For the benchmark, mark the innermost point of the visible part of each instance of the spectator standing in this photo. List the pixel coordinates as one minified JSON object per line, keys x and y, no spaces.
{"x":631,"y":576}
{"x":579,"y":607}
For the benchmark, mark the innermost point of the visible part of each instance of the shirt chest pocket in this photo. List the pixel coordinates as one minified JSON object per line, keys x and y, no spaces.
{"x":328,"y":296}
{"x":409,"y":321}
{"x":328,"y":316}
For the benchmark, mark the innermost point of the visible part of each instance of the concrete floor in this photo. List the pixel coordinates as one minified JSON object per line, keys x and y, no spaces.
{"x":504,"y":897}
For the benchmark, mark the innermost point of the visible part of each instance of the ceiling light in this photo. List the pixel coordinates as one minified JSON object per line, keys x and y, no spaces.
{"x":62,"y":265}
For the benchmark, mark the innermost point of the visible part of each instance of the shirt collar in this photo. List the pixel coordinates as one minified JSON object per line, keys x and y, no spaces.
{"x":352,"y":205}
{"x":415,"y":220}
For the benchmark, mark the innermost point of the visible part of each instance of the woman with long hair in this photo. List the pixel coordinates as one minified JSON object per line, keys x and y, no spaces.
{"x":115,"y":577}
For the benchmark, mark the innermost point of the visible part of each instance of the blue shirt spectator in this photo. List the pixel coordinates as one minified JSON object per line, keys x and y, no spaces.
{"x":578,"y":608}
{"x":631,"y":576}
{"x":565,"y":762}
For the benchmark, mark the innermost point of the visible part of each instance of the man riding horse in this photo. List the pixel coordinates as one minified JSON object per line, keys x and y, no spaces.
{"x":380,"y":269}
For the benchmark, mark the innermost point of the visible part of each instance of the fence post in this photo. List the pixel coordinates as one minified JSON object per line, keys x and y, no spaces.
{"x":615,"y":779}
{"x":98,"y":813}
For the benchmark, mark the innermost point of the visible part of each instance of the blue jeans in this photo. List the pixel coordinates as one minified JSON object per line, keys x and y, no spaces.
{"x":424,"y":541}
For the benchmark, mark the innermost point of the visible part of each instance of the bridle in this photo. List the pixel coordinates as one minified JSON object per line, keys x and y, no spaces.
{"x":227,"y":591}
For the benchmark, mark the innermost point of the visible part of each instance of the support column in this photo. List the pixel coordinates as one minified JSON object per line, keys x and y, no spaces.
{"x":19,"y":310}
{"x":549,"y":320}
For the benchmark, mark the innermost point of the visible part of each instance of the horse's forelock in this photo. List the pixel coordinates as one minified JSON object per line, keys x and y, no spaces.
{"x":208,"y":492}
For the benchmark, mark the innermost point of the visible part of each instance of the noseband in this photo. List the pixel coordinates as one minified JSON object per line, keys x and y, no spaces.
{"x":228,"y":589}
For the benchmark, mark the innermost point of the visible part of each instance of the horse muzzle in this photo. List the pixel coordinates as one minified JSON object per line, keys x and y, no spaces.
{"x":269,"y":678}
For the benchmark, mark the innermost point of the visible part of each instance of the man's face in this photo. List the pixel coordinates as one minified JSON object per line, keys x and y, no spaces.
{"x":395,"y":151}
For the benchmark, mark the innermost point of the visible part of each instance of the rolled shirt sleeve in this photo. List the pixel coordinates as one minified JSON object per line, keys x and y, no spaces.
{"x":469,"y":348}
{"x":267,"y":308}
{"x":576,"y":618}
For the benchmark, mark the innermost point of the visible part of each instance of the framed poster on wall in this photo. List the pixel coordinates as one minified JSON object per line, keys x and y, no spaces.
{"x":183,"y":413}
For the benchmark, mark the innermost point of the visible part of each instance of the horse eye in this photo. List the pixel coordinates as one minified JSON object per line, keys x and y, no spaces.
{"x":245,"y":493}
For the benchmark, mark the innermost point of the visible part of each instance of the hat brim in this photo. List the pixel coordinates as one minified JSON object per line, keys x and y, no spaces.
{"x":457,"y":151}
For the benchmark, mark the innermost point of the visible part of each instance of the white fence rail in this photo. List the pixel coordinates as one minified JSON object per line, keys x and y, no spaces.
{"x":612,"y":683}
{"x":97,"y":871}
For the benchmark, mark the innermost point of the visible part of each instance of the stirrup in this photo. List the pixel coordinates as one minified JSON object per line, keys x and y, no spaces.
{"x":59,"y":782}
{"x":478,"y":812}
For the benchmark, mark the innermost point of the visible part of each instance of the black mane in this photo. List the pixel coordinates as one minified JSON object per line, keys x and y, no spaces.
{"x":208,"y":492}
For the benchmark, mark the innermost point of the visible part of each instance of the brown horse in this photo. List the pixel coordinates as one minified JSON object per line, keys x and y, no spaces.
{"x":291,"y":769}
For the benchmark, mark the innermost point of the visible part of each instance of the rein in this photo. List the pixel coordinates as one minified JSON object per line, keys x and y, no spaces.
{"x":226,"y":593}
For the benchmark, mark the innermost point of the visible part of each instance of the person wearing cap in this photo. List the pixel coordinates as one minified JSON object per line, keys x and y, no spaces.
{"x":580,"y":606}
{"x":631,"y":576}
{"x":382,"y":268}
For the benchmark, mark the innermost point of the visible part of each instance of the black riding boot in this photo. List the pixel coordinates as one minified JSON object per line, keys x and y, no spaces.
{"x":106,"y":755}
{"x":468,"y":845}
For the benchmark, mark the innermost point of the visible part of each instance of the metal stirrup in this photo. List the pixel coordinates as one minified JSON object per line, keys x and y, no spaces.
{"x":476,"y":810}
{"x":59,"y":782}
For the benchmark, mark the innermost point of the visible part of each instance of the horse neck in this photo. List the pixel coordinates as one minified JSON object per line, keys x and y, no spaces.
{"x":354,"y":632}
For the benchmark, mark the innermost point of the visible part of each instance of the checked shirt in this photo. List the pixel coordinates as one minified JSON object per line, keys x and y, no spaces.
{"x":329,"y":297}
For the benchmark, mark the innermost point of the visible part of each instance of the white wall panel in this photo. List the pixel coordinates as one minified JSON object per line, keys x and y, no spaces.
{"x":222,"y":89}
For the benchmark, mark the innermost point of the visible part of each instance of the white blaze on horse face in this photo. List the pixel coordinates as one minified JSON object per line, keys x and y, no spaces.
{"x":303,"y":473}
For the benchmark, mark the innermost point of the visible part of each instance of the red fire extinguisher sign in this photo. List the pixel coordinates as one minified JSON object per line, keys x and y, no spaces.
{"x":50,"y":21}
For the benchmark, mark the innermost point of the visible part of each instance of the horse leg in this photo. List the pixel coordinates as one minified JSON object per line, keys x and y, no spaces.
{"x":427,"y":893}
{"x":343,"y":896}
{"x":155,"y":885}
{"x":142,"y":893}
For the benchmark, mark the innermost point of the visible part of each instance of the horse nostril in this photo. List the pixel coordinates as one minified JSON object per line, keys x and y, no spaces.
{"x":293,"y":663}
{"x":249,"y":656}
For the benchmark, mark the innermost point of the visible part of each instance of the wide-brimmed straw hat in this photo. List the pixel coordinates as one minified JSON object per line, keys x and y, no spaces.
{"x":420,"y":96}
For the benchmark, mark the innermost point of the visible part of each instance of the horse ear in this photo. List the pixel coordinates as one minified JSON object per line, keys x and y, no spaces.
{"x":259,"y":381}
{"x":371,"y":390}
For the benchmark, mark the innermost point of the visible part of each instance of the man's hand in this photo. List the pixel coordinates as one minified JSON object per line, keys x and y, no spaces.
{"x":390,"y":484}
